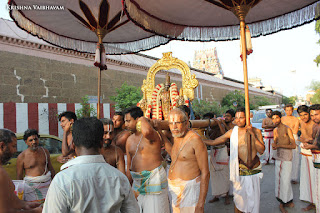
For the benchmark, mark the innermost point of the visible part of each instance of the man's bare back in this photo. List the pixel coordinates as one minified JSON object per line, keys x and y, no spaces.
{"x":267,"y":123}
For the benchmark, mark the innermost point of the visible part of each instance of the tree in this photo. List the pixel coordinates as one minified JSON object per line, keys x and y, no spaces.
{"x":315,"y":85}
{"x":201,"y":107}
{"x":289,"y":100}
{"x":257,"y":101}
{"x":233,"y":100}
{"x":86,"y":109}
{"x":127,"y":96}
{"x":317,"y":59}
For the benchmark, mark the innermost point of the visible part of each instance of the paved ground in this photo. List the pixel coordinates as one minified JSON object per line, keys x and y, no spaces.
{"x":268,"y":202}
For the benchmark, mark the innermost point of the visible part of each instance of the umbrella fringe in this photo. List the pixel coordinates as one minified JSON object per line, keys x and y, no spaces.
{"x":214,"y":33}
{"x":85,"y":46}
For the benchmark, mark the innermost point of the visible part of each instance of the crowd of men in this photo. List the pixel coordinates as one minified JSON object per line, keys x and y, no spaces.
{"x":134,"y":164}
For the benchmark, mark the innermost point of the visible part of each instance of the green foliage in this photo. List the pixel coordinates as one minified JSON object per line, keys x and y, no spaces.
{"x":127,"y":96}
{"x":201,"y":107}
{"x":317,"y":28}
{"x":315,"y":85}
{"x":289,"y":100}
{"x":232,"y":97}
{"x":259,"y":101}
{"x":86,"y":109}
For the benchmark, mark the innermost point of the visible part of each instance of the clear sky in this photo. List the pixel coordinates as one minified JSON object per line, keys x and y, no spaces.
{"x":273,"y":59}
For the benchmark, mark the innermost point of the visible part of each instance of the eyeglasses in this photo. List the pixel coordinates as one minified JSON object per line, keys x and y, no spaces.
{"x":176,"y":122}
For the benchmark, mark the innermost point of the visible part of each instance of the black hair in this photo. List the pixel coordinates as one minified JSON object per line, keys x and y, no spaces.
{"x":185,"y":109}
{"x":288,"y":105}
{"x":30,"y":132}
{"x":209,"y":115}
{"x":106,"y":121}
{"x":241,"y":109}
{"x":6,"y":136}
{"x":303,"y":108}
{"x":68,"y":115}
{"x":119,"y":113}
{"x":231,"y":112}
{"x":88,"y":133}
{"x":134,"y":111}
{"x":269,"y":109}
{"x":315,"y":107}
{"x":276,"y":113}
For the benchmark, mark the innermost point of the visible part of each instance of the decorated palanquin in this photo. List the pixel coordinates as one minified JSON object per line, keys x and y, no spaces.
{"x":160,"y":99}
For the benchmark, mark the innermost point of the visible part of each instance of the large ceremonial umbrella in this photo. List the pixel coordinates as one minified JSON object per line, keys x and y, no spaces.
{"x":81,"y":24}
{"x":218,"y":20}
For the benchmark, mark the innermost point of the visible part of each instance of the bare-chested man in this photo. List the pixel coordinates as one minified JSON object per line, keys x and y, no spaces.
{"x":36,"y":164}
{"x":293,"y":123}
{"x":306,"y":169}
{"x":66,"y":121}
{"x":120,"y":134}
{"x":284,"y":143}
{"x":315,"y":149}
{"x":111,"y":153}
{"x":245,"y":167}
{"x":9,"y":202}
{"x":189,"y":173}
{"x":144,"y":162}
{"x":268,"y":126}
{"x":218,"y":162}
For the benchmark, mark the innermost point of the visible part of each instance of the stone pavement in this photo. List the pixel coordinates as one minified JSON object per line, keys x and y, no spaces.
{"x":268,"y":202}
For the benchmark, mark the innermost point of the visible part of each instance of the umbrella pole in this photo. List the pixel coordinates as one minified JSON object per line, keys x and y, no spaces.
{"x":245,"y":71}
{"x":99,"y":92}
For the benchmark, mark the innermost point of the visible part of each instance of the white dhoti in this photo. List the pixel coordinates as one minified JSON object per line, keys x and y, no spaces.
{"x":184,"y":194}
{"x":36,"y":188}
{"x":268,"y":155}
{"x":295,"y":160}
{"x":283,"y":188}
{"x":316,"y":164}
{"x":152,"y":190}
{"x":307,"y":177}
{"x":246,"y":189}
{"x":246,"y":193}
{"x":219,"y":171}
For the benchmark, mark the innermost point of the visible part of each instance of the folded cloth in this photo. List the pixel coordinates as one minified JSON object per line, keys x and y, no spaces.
{"x":36,"y":188}
{"x":316,"y":164}
{"x":150,"y":182}
{"x":185,"y":194}
{"x":234,"y":160}
{"x":283,"y":188}
{"x":307,"y":183}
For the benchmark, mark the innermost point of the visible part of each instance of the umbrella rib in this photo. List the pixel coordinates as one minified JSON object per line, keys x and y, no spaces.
{"x":86,"y":24}
{"x":217,"y":4}
{"x":88,"y":14}
{"x":115,"y":20}
{"x":119,"y":25}
{"x":104,"y":13}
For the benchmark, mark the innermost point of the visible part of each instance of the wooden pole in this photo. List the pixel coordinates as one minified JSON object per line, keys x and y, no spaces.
{"x":245,"y":71}
{"x":99,"y":93}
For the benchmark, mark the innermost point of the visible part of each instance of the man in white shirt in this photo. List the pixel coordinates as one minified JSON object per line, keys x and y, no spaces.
{"x":87,"y":183}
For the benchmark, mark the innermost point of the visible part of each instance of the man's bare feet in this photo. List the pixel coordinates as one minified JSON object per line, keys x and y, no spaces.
{"x":308,"y":208}
{"x":290,"y":205}
{"x":294,"y":182}
{"x":282,"y":209}
{"x":215,"y":199}
{"x":226,"y":200}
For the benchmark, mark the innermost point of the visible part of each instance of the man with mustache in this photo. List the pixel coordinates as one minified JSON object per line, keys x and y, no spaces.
{"x":35,"y":163}
{"x":9,"y":202}
{"x":112,"y":154}
{"x":189,"y":172}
